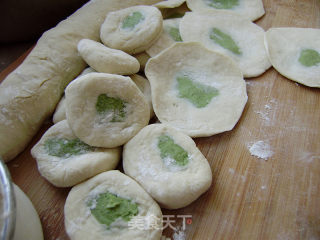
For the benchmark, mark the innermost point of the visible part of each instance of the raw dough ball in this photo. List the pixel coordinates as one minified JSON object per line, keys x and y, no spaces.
{"x":230,"y":35}
{"x":169,"y":4}
{"x":201,"y":92}
{"x":295,"y":53}
{"x":168,"y":165}
{"x":250,"y":9}
{"x":133,"y":29}
{"x":144,"y":85}
{"x":105,"y":110}
{"x":107,"y":60}
{"x":28,"y":225}
{"x":169,"y":36}
{"x":142,"y":59}
{"x":110,"y":206}
{"x":64,"y":160}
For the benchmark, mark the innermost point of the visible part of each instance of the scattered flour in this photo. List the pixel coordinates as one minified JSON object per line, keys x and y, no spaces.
{"x":179,"y":235}
{"x":261,"y":149}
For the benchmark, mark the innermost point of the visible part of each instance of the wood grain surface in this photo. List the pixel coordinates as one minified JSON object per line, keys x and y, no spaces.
{"x":250,"y":198}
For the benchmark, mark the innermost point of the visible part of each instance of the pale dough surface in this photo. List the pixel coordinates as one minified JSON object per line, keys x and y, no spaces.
{"x":98,"y":130}
{"x":69,"y":171}
{"x":165,"y":40}
{"x":204,"y":67}
{"x":284,"y":46}
{"x":142,"y":58}
{"x":169,"y":4}
{"x":30,"y":93}
{"x":107,"y":60}
{"x":81,"y":225}
{"x":171,"y":186}
{"x":135,"y":40}
{"x":249,"y":37}
{"x":250,"y":9}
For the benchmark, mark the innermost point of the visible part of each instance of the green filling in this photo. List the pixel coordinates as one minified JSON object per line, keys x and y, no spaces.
{"x":132,"y":20}
{"x":175,"y":34}
{"x":224,"y":40}
{"x":200,"y":95}
{"x":169,"y":149}
{"x":116,"y":106}
{"x":222,"y":4}
{"x":309,"y":57}
{"x":61,"y":147}
{"x":107,"y":208}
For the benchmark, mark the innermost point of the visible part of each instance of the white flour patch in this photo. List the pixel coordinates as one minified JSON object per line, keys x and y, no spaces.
{"x":261,"y":149}
{"x":179,"y":235}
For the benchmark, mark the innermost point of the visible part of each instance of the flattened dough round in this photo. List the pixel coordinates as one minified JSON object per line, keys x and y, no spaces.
{"x":168,"y":165}
{"x":169,"y":3}
{"x":83,"y":215}
{"x":107,"y":60}
{"x":230,"y":35}
{"x":295,"y":53}
{"x":64,"y":160}
{"x":170,"y":35}
{"x":201,"y":93}
{"x":249,"y":9}
{"x":132,"y":29}
{"x":105,"y":110}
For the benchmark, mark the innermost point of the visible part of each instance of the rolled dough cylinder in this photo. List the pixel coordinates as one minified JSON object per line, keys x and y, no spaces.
{"x":30,"y":93}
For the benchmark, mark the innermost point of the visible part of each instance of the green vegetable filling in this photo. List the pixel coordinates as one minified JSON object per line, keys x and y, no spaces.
{"x":132,"y":20}
{"x":172,"y":150}
{"x":175,"y":34}
{"x":62,"y":147}
{"x":225,"y":41}
{"x":222,"y":4}
{"x":198,"y":94}
{"x":107,"y":208}
{"x":116,"y":106}
{"x":309,"y":57}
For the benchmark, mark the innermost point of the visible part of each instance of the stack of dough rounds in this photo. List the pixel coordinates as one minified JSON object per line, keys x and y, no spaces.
{"x":201,"y":92}
{"x":169,"y":4}
{"x":249,"y":9}
{"x":231,"y":35}
{"x":60,"y":112}
{"x":92,"y":207}
{"x":133,"y":29}
{"x":169,"y":36}
{"x":65,"y":161}
{"x":168,"y":165}
{"x":105,"y":110}
{"x":295,"y":53}
{"x":107,"y":60}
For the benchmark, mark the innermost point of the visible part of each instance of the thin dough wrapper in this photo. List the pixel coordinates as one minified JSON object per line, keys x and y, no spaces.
{"x":80,"y":216}
{"x":201,"y":93}
{"x":230,"y":35}
{"x":66,"y":161}
{"x":169,"y":4}
{"x":249,"y":9}
{"x":168,"y":165}
{"x":105,"y":110}
{"x":295,"y":53}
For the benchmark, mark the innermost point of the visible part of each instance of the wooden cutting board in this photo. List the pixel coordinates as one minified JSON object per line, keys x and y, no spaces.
{"x":250,"y":198}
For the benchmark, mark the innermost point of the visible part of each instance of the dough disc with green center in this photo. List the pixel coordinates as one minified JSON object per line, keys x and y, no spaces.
{"x":168,"y":165}
{"x":230,"y":35}
{"x":64,"y":160}
{"x":111,"y":206}
{"x":132,"y":29}
{"x":201,"y":93}
{"x":169,"y":36}
{"x":105,"y":110}
{"x":295,"y":53}
{"x":249,"y":9}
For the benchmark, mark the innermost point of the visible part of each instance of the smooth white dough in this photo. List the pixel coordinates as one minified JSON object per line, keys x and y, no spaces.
{"x":98,"y":129}
{"x":169,"y":4}
{"x":250,"y":9}
{"x":204,"y":67}
{"x":172,"y":186}
{"x":284,"y":46}
{"x":82,"y":225}
{"x":134,"y":40}
{"x":249,"y":37}
{"x":107,"y":60}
